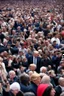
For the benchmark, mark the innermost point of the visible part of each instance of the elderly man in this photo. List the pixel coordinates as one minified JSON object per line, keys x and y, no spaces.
{"x":36,"y":60}
{"x":12,"y":77}
{"x":60,"y":88}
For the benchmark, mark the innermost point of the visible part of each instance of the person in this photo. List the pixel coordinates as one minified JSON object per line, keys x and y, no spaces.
{"x":12,"y":77}
{"x":46,"y":80}
{"x":36,"y":60}
{"x":32,"y":67}
{"x":60,"y":88}
{"x":24,"y":82}
{"x":29,"y":94}
{"x":4,"y":89}
{"x":35,"y":81}
{"x":15,"y":89}
{"x":2,"y":72}
{"x":43,"y":69}
{"x":45,"y":90}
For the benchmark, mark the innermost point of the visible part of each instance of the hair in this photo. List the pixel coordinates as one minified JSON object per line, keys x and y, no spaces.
{"x":24,"y":79}
{"x":47,"y":91}
{"x":29,"y":94}
{"x":45,"y":79}
{"x":12,"y":71}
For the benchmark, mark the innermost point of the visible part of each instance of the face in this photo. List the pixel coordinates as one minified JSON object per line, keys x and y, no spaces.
{"x":37,"y":81}
{"x":12,"y":75}
{"x":52,"y":93}
{"x":15,"y":92}
{"x":36,"y":55}
{"x":32,"y":68}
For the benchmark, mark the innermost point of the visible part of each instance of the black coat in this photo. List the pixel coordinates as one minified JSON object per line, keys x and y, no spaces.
{"x":30,"y":61}
{"x":33,"y":88}
{"x":18,"y":94}
{"x":5,"y":93}
{"x":58,"y":90}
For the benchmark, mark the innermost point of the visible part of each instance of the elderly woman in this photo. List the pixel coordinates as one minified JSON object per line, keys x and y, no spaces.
{"x":15,"y":90}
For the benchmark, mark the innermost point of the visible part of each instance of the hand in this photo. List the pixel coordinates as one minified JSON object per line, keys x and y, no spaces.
{"x":7,"y":89}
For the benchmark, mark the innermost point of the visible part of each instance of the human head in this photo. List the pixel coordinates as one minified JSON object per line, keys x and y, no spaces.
{"x":29,"y":94}
{"x":32,"y":67}
{"x":45,"y":90}
{"x":45,"y":79}
{"x":24,"y":79}
{"x":35,"y":78}
{"x":36,"y":53}
{"x":51,"y":73}
{"x":61,"y":81}
{"x":12,"y":74}
{"x":43,"y":69}
{"x":62,"y":63}
{"x":15,"y":88}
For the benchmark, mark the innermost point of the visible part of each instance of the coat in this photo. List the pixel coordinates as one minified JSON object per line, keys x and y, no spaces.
{"x":30,"y":60}
{"x":18,"y":94}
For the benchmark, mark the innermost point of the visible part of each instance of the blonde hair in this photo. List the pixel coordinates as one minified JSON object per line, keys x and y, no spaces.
{"x":35,"y":76}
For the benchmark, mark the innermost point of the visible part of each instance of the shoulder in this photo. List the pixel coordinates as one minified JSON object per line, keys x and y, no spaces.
{"x":20,"y":93}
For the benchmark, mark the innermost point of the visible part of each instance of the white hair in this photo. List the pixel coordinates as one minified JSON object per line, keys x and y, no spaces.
{"x":45,"y":79}
{"x":43,"y":68}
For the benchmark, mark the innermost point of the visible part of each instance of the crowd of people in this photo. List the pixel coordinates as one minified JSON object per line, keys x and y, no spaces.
{"x":31,"y":48}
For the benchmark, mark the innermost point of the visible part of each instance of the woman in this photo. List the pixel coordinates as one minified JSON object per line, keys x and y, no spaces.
{"x":15,"y":90}
{"x":2,"y":72}
{"x":45,"y":90}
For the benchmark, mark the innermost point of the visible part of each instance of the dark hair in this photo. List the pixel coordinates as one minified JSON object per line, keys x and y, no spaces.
{"x":47,"y":91}
{"x":24,"y":79}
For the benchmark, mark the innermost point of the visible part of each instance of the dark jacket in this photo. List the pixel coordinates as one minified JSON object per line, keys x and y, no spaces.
{"x":25,"y":88}
{"x":30,"y":60}
{"x":4,"y":93}
{"x":18,"y":94}
{"x":33,"y":88}
{"x":58,"y":90}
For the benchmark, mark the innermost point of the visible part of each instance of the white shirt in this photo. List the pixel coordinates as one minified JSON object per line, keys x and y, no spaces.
{"x":35,"y":60}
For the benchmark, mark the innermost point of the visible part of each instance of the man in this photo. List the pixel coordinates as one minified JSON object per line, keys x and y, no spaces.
{"x":35,"y":59}
{"x":12,"y":77}
{"x":60,"y":88}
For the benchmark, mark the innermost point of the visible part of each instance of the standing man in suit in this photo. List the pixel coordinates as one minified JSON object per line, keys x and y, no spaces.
{"x":36,"y":60}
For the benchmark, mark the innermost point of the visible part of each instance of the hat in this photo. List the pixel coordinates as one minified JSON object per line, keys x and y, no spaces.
{"x":15,"y":86}
{"x":41,"y":89}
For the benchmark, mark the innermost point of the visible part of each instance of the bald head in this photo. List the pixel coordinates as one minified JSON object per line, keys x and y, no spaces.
{"x":45,"y":79}
{"x":61,"y":81}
